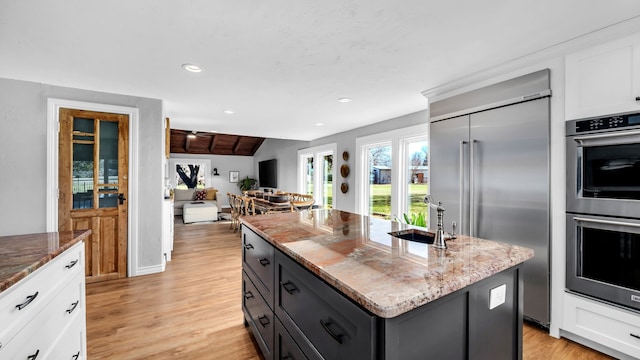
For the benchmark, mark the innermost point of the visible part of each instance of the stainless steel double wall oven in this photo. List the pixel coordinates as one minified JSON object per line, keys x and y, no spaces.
{"x":603,"y":208}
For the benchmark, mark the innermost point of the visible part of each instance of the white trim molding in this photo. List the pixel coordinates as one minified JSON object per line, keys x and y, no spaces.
{"x":53,"y":127}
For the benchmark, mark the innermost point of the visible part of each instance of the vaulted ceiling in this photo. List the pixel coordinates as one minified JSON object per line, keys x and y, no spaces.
{"x":280,"y":66}
{"x":193,"y":142}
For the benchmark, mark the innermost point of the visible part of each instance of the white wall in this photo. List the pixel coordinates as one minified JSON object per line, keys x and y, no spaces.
{"x":286,"y":153}
{"x":224,"y":164}
{"x":23,"y":160}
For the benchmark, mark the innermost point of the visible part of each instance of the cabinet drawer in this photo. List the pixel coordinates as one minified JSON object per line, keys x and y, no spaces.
{"x":70,"y":345}
{"x":258,"y":315}
{"x":257,"y":255}
{"x":42,"y":332}
{"x":285,"y":347}
{"x":324,"y":319}
{"x":36,"y":290}
{"x":609,"y":326}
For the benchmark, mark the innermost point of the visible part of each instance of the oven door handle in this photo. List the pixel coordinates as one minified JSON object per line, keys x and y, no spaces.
{"x":606,"y":222}
{"x":618,"y":136}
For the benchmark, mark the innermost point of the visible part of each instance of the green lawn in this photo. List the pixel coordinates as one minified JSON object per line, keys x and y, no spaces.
{"x":380,"y":201}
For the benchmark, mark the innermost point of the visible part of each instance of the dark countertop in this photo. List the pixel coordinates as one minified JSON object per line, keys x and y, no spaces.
{"x":20,"y":255}
{"x":384,"y":274}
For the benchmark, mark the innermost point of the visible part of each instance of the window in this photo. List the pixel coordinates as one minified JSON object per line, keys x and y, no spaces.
{"x":316,"y":173}
{"x":188,"y":173}
{"x":392,"y":173}
{"x":416,"y":155}
{"x":379,"y":184}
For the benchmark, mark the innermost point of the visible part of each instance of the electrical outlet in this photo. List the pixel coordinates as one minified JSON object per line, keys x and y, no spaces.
{"x":497,"y":296}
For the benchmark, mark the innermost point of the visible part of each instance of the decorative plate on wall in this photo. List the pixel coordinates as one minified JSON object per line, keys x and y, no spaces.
{"x":345,"y":155}
{"x":344,"y":170}
{"x":344,"y":187}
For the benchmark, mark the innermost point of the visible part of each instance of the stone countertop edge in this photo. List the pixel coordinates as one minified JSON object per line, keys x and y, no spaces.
{"x":402,"y":296}
{"x":25,"y":244}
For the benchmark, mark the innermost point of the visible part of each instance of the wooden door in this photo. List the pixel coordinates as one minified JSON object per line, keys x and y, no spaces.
{"x":93,"y":172}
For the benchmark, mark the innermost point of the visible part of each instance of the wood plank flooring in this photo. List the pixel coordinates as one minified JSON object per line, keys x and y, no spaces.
{"x":193,"y":309}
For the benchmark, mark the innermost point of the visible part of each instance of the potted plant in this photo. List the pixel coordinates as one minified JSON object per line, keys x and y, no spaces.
{"x":247,"y":184}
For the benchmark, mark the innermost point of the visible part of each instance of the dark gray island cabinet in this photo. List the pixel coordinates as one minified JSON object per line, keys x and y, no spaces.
{"x":295,"y":309}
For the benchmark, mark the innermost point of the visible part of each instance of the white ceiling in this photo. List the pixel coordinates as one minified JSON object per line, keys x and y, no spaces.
{"x":281,"y":65}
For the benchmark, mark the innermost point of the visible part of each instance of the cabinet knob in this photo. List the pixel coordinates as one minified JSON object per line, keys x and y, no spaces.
{"x":637,"y":98}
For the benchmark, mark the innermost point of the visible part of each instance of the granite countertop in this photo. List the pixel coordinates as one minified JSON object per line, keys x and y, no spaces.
{"x":20,"y":255}
{"x":386,"y":275}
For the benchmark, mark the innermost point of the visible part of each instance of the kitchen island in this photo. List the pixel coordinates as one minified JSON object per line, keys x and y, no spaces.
{"x":42,"y":296}
{"x":328,"y":284}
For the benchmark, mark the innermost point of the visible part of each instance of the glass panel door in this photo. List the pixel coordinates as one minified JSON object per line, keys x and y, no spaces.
{"x":417,"y":175}
{"x":379,"y":169}
{"x":327,"y":181}
{"x":95,"y":163}
{"x":308,"y":175}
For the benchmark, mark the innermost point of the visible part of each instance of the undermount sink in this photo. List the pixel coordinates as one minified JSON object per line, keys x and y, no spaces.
{"x":416,"y":235}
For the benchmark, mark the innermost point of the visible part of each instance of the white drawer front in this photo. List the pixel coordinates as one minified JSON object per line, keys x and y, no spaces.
{"x":606,"y":325}
{"x":42,"y":332}
{"x":36,"y":290}
{"x":70,"y":345}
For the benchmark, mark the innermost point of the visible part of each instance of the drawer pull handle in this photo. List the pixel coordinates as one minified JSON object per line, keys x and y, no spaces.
{"x":30,"y":298}
{"x":34,"y":356}
{"x":76,"y":356}
{"x":637,"y":98}
{"x":635,"y":336}
{"x":264,"y":262}
{"x":248,"y":295}
{"x":72,"y":264}
{"x":264,"y":320}
{"x":73,"y":307}
{"x":289,"y":287}
{"x":248,"y":246}
{"x":336,"y":337}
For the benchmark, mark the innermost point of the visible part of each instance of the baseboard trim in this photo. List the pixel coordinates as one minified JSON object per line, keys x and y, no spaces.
{"x":147,"y":270}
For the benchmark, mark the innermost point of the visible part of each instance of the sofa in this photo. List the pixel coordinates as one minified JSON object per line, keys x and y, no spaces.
{"x":184,"y":196}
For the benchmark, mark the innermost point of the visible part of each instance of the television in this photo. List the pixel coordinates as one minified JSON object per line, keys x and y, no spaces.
{"x":268,"y":173}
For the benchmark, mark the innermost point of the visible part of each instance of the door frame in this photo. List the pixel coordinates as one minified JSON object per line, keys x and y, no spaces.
{"x":53,"y":127}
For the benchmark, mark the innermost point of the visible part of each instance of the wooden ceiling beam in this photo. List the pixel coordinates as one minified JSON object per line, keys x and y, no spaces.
{"x":214,"y":143}
{"x":189,"y":142}
{"x":236,"y":146}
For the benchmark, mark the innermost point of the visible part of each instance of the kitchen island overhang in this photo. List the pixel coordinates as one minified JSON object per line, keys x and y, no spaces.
{"x":418,"y":298}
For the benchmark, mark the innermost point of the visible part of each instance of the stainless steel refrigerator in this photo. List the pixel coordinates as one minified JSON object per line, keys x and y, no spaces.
{"x":490,"y":170}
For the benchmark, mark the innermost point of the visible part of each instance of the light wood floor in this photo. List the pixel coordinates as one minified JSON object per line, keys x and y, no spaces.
{"x":193,"y":309}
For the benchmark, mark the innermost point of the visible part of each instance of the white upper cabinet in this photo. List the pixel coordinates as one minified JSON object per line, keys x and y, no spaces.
{"x":604,"y":79}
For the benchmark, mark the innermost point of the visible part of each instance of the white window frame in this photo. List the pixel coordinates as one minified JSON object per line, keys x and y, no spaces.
{"x":398,"y":138}
{"x":318,"y":153}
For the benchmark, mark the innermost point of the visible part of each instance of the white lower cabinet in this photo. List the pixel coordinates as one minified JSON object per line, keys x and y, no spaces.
{"x":56,"y":326}
{"x":603,"y":324}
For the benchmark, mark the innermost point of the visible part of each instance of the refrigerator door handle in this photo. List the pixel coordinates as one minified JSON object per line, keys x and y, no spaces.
{"x":461,"y":187}
{"x":472,"y":210}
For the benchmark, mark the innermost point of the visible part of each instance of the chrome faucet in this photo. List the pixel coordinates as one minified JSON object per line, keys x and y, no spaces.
{"x":439,"y":242}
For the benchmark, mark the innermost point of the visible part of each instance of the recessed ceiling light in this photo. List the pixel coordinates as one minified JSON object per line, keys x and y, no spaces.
{"x":344,"y":100}
{"x":318,"y":124}
{"x":192,"y":68}
{"x":229,"y":112}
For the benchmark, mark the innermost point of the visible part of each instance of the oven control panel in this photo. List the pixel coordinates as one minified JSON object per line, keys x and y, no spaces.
{"x":609,"y":122}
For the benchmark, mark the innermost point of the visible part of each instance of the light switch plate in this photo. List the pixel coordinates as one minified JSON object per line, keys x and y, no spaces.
{"x":497,"y":296}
